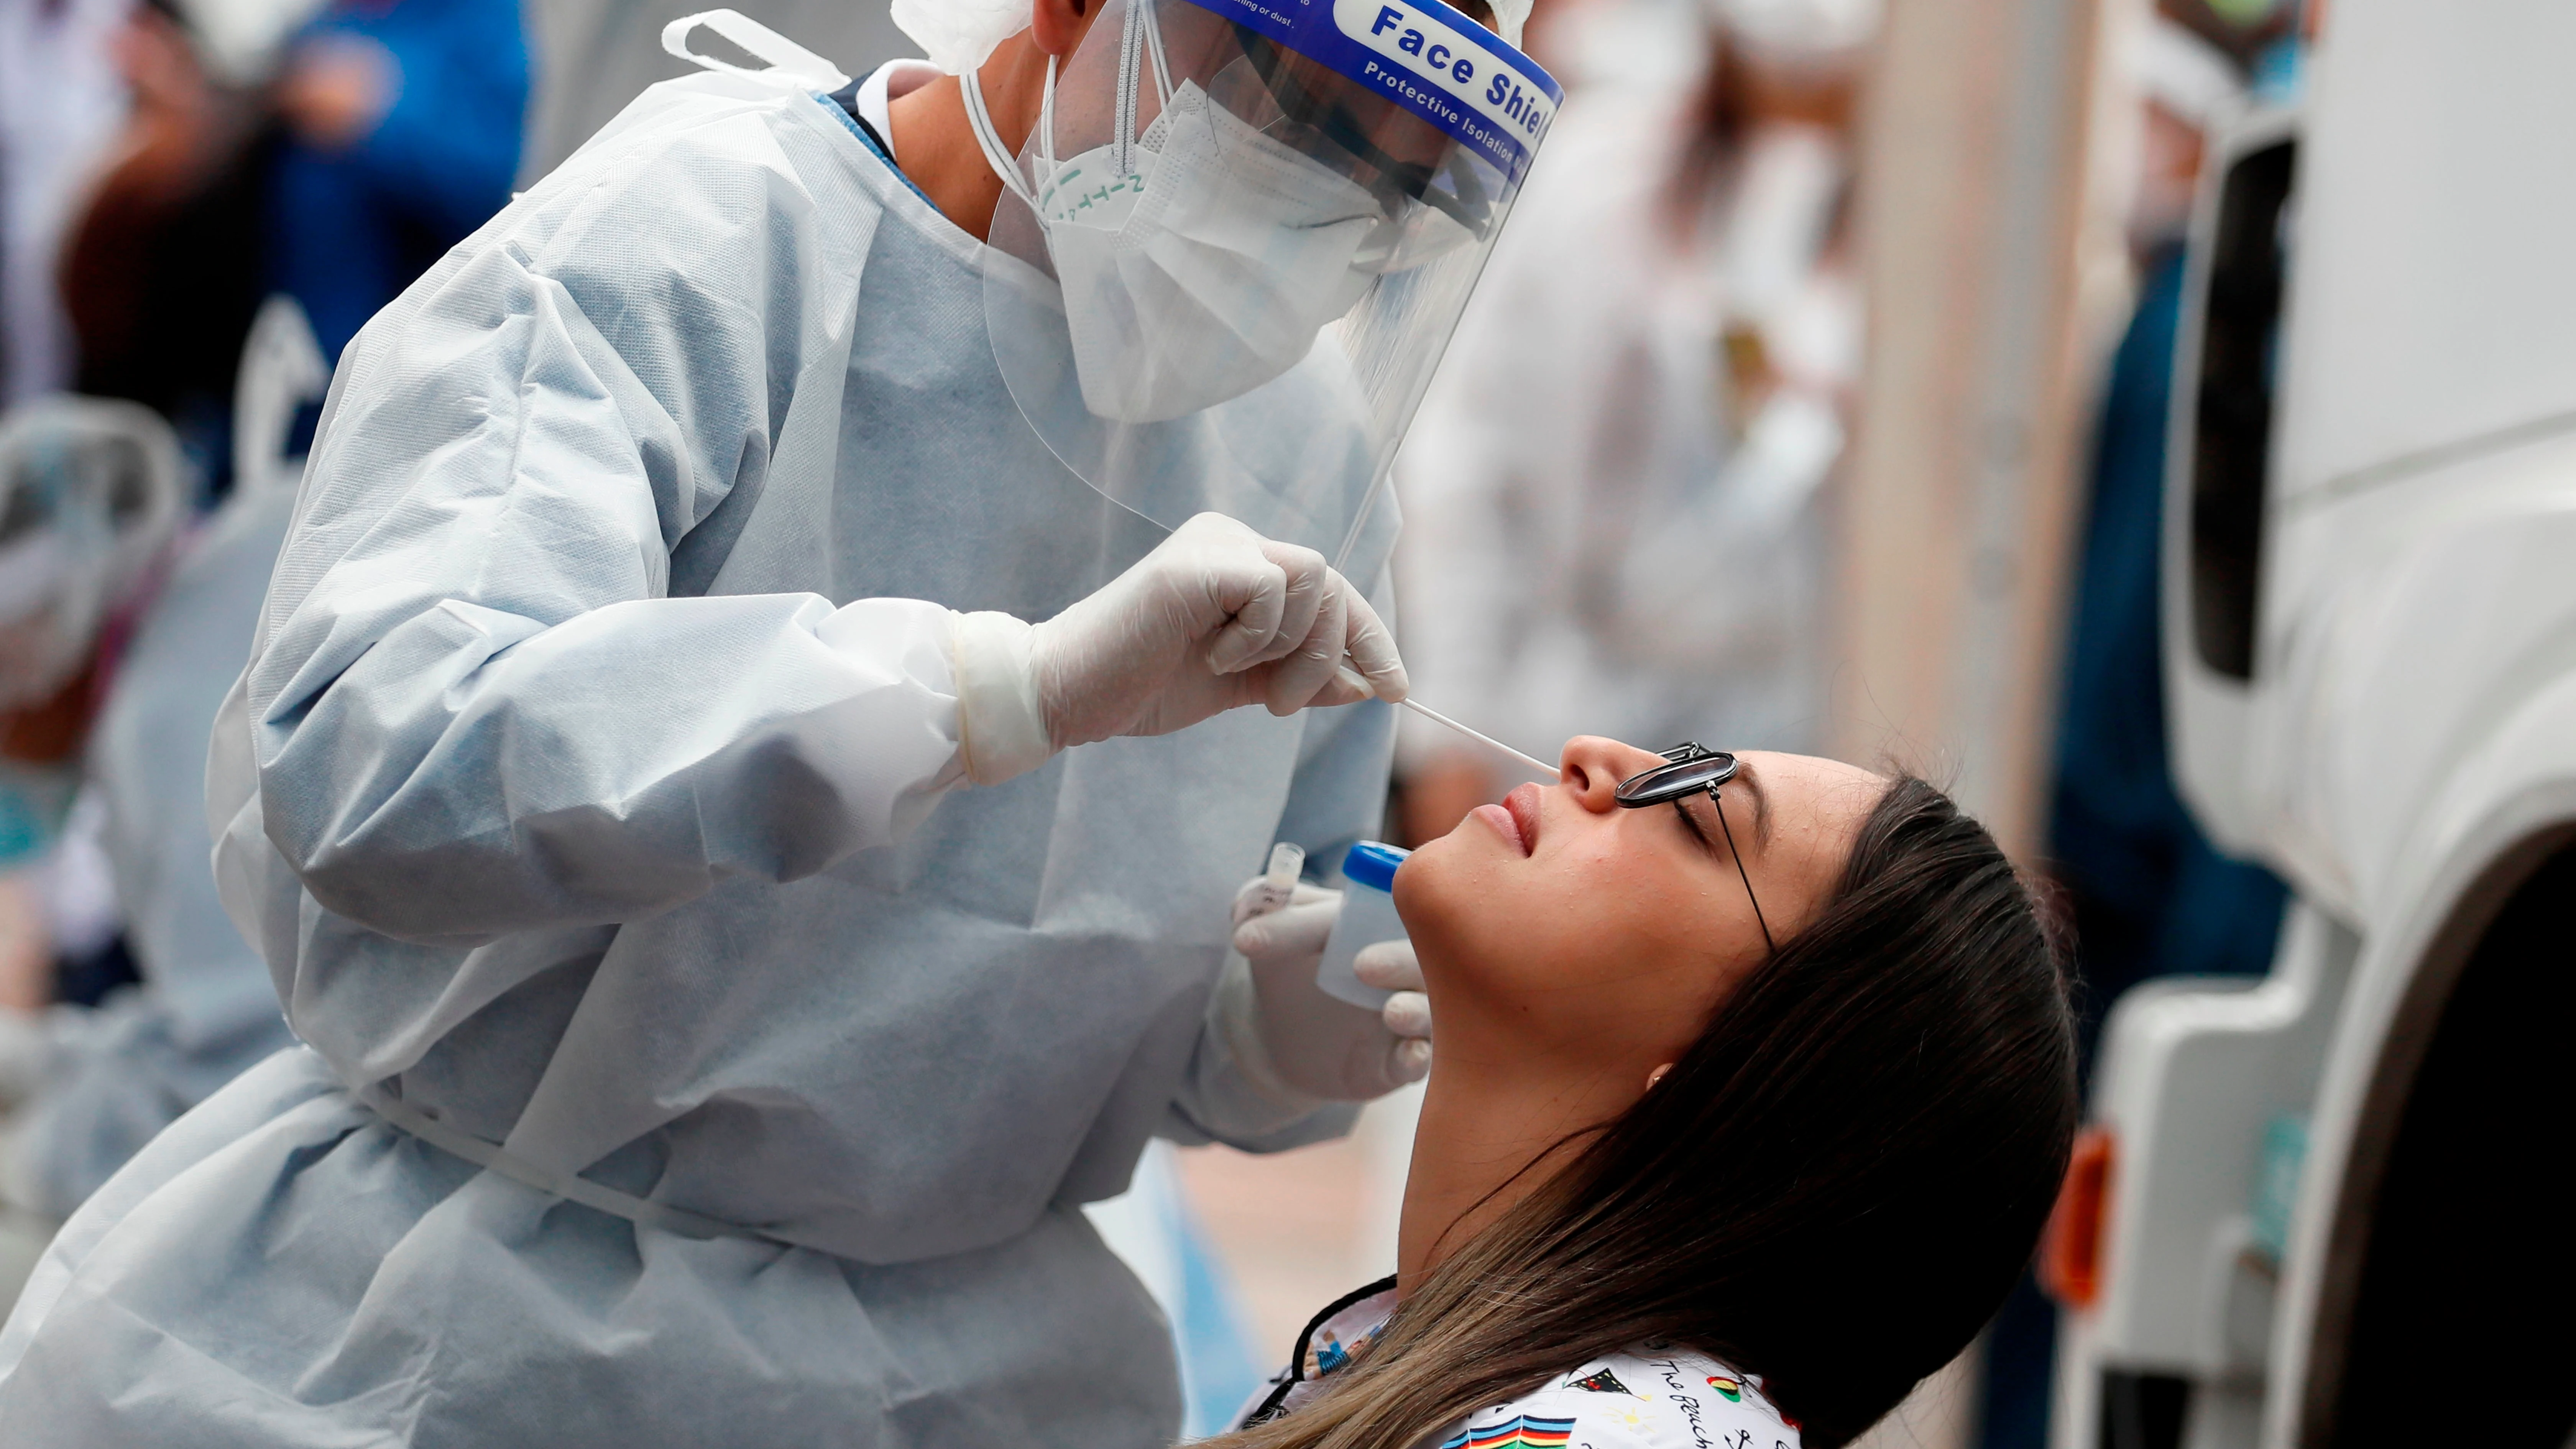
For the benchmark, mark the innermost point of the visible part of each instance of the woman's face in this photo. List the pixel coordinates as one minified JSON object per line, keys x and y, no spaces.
{"x":1559,"y":931}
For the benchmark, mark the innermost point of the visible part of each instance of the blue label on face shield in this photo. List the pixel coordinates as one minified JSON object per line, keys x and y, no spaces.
{"x":1425,"y":56}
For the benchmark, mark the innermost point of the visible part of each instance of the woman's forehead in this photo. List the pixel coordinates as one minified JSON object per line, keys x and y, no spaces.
{"x":1810,"y":773}
{"x":1817,"y":807}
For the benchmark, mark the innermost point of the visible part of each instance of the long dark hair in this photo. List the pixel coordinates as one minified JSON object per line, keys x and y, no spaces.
{"x":1833,"y":1188}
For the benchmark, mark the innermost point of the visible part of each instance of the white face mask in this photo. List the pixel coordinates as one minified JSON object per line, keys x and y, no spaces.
{"x":1198,"y":260}
{"x":1208,"y":270}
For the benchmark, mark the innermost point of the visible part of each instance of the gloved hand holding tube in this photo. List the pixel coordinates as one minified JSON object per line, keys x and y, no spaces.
{"x":1215,"y":617}
{"x":1287,"y":1034}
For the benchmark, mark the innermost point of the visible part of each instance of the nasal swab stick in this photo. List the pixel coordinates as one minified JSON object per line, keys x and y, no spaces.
{"x":1356,"y":680}
{"x":1436,"y":717}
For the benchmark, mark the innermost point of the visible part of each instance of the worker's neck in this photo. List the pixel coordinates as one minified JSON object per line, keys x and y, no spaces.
{"x":938,"y":148}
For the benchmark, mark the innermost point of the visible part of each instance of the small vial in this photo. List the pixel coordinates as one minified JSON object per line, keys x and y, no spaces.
{"x":1279,"y":883}
{"x":1368,"y":917}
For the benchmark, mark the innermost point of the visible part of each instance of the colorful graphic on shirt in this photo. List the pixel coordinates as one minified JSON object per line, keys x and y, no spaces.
{"x":1732,"y":1389}
{"x":1521,"y":1431}
{"x":1604,"y":1382}
{"x":1328,"y":1354}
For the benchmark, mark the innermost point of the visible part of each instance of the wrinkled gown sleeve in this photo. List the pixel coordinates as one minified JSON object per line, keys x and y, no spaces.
{"x":475,"y":706}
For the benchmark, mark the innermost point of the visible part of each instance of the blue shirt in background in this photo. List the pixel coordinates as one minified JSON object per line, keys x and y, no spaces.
{"x":350,"y":229}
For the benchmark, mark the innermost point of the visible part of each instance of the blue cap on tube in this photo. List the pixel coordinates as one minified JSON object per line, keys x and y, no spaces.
{"x":1373,"y":864}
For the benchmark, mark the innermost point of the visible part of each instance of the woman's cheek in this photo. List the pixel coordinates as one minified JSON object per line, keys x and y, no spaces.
{"x":1470,"y":931}
{"x":1531,"y":946}
{"x":1437,"y":896}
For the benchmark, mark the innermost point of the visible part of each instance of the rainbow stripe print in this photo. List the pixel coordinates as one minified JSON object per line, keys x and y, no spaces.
{"x":1519,"y":1430}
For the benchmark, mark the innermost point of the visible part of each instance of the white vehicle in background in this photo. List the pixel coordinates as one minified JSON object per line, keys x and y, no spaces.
{"x":2322,"y":1210}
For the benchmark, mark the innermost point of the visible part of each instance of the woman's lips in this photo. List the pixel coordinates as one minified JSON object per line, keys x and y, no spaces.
{"x":1516,"y":819}
{"x":1522,"y":805}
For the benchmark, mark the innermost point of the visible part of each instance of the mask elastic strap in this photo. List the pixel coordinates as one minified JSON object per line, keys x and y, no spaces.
{"x":1046,"y":121}
{"x":1154,"y":47}
{"x":980,"y":121}
{"x":1123,"y":122}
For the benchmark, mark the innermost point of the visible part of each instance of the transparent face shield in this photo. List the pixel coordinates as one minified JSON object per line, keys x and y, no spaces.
{"x":1230,"y":254}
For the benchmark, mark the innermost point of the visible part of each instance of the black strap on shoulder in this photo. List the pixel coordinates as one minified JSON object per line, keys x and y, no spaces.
{"x":1295,"y":1373}
{"x":847,"y":98}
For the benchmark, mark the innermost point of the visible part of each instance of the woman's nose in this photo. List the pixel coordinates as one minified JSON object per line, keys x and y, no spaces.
{"x":1592,"y":767}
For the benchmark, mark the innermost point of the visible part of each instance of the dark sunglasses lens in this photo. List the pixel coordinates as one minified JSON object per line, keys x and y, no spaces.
{"x":1671,"y":782}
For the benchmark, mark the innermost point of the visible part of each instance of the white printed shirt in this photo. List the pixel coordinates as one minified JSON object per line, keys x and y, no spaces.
{"x":1653,"y":1396}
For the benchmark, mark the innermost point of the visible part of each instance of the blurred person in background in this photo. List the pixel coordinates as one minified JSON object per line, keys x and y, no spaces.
{"x":124,"y":625}
{"x":158,"y":264}
{"x":336,"y":156}
{"x":330,"y":153}
{"x":402,"y":125}
{"x":2150,"y":896}
{"x":62,"y":98}
{"x":89,"y":505}
{"x":1614,"y":492}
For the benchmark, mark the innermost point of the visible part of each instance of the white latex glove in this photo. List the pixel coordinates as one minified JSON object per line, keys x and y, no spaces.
{"x":1215,"y":617}
{"x":1307,"y":1041}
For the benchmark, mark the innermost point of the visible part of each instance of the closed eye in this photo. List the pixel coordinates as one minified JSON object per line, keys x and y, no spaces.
{"x":1691,"y":823}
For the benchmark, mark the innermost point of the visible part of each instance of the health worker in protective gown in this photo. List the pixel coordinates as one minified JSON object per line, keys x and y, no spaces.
{"x":127,"y":622}
{"x":742,"y":770}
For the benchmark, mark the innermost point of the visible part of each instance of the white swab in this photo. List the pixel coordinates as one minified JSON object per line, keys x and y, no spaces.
{"x":1356,"y":680}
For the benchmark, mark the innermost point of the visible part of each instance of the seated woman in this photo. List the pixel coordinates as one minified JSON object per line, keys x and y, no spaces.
{"x":1676,"y":1185}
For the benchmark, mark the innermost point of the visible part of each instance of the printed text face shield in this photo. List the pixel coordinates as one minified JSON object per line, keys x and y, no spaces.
{"x":1238,"y":241}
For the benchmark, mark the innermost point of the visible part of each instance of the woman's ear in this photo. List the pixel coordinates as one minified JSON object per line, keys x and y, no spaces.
{"x":1657,"y":1075}
{"x":1059,"y":25}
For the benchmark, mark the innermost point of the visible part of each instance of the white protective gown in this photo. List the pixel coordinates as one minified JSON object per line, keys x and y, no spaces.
{"x":592,"y":816}
{"x":206,"y":1011}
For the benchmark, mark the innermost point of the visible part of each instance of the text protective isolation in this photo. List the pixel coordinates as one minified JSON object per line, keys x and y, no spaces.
{"x":1428,"y":57}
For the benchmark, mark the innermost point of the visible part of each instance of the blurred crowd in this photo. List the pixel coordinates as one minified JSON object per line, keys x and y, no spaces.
{"x":1615,"y":495}
{"x":200,"y":204}
{"x":1619,"y":495}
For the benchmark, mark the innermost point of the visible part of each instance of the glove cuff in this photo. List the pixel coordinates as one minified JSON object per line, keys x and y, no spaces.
{"x":1234,"y":1015}
{"x":1001,"y":726}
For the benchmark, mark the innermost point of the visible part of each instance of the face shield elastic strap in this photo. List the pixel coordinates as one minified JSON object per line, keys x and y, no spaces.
{"x":1465,"y":202}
